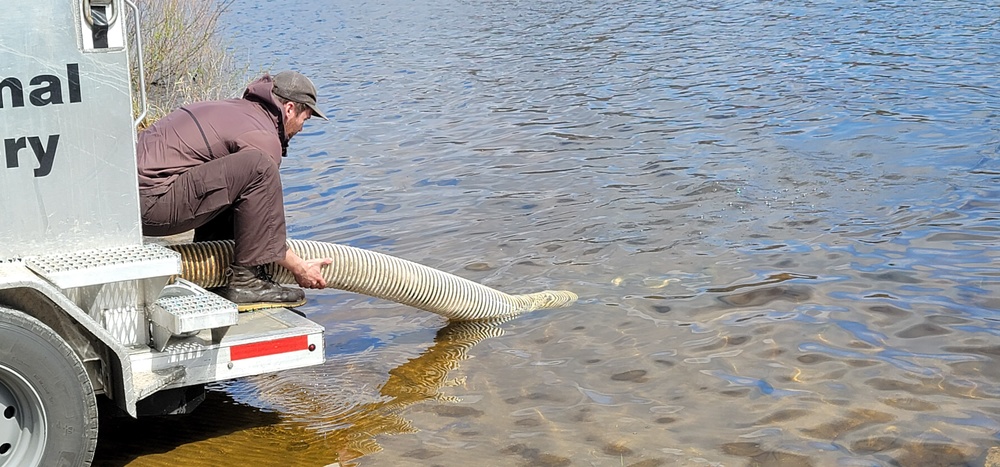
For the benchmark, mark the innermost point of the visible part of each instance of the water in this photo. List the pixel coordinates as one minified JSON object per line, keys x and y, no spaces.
{"x":781,"y":219}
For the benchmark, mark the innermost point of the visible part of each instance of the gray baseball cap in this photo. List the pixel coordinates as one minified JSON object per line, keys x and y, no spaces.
{"x":295,"y":87}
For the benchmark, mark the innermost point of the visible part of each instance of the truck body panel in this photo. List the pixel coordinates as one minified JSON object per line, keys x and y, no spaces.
{"x":67,"y":144}
{"x":73,"y":255}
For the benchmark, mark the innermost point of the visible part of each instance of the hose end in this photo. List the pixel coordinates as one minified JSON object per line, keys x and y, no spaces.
{"x":552,"y":299}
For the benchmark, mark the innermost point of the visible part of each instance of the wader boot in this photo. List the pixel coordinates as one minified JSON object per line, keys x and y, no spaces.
{"x":253,"y":289}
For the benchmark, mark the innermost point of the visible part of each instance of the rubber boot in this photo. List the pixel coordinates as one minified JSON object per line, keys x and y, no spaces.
{"x":252,"y":288}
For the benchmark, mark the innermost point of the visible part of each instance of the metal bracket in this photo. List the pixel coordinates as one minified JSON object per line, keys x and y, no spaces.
{"x":100,"y":21}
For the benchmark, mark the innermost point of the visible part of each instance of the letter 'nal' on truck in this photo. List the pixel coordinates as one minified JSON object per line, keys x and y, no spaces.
{"x":88,"y":309}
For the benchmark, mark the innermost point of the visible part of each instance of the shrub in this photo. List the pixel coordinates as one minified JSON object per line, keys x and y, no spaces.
{"x":185,"y":59}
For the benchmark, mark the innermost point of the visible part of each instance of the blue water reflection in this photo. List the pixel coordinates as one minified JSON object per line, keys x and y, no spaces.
{"x":781,"y":217}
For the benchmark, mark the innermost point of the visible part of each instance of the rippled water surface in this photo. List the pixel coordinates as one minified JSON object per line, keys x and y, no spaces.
{"x":782,"y":219}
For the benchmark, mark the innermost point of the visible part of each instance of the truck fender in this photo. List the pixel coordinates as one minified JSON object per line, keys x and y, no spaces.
{"x":23,"y":290}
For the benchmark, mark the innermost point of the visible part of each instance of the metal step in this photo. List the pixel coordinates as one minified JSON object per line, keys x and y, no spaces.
{"x":105,"y":265}
{"x":193,"y":313}
{"x":194,"y":310}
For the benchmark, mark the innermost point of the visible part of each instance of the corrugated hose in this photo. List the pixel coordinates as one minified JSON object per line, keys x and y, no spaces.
{"x":377,"y":275}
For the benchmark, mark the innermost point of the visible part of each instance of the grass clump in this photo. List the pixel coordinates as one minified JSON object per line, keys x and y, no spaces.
{"x":184,"y":58}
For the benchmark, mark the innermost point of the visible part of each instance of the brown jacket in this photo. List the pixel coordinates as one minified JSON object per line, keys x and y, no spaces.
{"x":200,"y":132}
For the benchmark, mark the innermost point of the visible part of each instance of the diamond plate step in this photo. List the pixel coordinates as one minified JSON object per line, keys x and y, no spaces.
{"x":187,"y":313}
{"x":101,"y":266}
{"x":185,"y":308}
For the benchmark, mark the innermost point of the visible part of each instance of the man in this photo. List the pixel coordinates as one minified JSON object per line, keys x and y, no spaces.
{"x":213,"y":167}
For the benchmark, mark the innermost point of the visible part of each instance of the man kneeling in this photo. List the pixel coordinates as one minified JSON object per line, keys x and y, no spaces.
{"x":213,"y":167}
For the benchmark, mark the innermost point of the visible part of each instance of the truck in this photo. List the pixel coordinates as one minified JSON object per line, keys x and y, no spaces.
{"x":90,"y":310}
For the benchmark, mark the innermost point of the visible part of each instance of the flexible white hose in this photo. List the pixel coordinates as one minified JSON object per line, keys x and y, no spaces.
{"x":378,"y":275}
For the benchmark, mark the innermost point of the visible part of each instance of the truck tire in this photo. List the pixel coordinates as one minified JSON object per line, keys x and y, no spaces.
{"x":48,"y":413}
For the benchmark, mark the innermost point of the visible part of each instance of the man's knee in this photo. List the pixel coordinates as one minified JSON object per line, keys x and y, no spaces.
{"x":260,"y":162}
{"x":251,"y":169}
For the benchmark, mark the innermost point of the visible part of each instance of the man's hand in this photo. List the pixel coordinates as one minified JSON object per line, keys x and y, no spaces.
{"x":311,"y":276}
{"x":308,"y":273}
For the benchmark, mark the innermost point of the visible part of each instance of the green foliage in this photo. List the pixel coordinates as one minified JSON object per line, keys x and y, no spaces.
{"x":184,"y":58}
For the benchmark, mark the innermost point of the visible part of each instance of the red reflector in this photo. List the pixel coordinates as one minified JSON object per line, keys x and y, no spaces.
{"x":260,"y":349}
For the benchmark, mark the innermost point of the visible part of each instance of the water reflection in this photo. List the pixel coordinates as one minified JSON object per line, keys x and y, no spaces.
{"x":319,"y":429}
{"x":417,"y":380}
{"x":782,"y":219}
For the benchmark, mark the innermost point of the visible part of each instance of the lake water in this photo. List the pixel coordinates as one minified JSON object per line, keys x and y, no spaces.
{"x":782,"y":219}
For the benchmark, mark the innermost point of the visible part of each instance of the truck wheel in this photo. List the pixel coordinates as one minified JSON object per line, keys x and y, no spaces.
{"x":48,"y":413}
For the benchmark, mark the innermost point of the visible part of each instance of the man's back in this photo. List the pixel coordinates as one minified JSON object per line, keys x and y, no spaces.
{"x":203,"y":131}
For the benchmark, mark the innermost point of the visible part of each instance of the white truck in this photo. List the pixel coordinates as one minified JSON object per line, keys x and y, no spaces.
{"x":87,"y":308}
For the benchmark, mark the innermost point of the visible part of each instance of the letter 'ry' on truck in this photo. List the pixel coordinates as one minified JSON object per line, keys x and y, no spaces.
{"x":88,"y":309}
